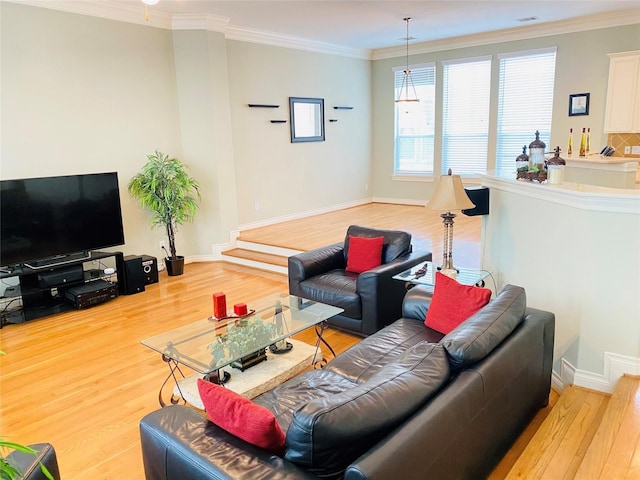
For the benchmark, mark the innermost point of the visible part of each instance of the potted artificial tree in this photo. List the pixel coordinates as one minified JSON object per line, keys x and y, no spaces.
{"x":164,"y":187}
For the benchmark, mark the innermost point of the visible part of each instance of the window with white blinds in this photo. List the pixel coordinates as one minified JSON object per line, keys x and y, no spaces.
{"x":525,"y":103}
{"x":414,"y":123}
{"x":465,"y":116}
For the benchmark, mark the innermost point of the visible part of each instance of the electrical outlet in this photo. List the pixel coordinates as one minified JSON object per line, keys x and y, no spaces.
{"x":366,"y":187}
{"x":161,"y":244}
{"x":256,"y":206}
{"x":627,"y":149}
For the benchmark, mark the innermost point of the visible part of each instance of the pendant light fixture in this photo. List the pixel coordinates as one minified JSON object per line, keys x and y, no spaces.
{"x":407,"y":81}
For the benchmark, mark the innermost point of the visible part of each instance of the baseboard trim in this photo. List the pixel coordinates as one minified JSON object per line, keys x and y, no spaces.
{"x":615,"y":366}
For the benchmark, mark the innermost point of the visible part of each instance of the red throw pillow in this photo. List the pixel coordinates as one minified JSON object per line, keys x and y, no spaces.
{"x":364,"y":253}
{"x":241,"y":417}
{"x":453,"y":303}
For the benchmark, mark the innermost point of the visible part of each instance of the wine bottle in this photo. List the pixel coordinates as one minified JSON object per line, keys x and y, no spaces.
{"x":588,"y":147}
{"x":583,"y":142}
{"x":570,"y":149}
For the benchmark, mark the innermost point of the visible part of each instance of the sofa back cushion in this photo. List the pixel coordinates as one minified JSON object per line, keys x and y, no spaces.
{"x":477,"y":336}
{"x":327,"y":434}
{"x":396,"y":242}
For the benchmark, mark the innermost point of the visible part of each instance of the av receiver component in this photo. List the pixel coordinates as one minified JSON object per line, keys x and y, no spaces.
{"x":91,"y":293}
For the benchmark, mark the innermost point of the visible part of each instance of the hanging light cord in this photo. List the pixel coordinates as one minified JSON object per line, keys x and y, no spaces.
{"x":407,"y":80}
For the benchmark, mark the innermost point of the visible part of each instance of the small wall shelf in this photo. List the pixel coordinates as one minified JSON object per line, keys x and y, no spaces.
{"x":343,"y":108}
{"x":262,"y":105}
{"x":278,"y":121}
{"x":332,"y":120}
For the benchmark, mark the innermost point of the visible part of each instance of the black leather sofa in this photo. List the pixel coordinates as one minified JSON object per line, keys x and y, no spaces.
{"x":406,"y":402}
{"x":372,"y":299}
{"x":29,"y":465}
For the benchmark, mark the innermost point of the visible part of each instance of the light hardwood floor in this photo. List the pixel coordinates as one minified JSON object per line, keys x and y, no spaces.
{"x":81,"y":380}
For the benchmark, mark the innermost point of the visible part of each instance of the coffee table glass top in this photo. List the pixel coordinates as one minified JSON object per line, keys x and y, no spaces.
{"x":425,"y":274}
{"x":207,"y":345}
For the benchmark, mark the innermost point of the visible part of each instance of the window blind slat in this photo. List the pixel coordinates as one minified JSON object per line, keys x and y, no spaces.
{"x":414,"y":123}
{"x":525,"y":104}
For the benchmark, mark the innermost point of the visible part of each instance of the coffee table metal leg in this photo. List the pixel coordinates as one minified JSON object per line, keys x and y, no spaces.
{"x":173,"y":367}
{"x":320,"y":328}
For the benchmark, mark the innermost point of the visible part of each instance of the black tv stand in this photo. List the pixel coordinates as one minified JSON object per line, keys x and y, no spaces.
{"x":58,"y":260}
{"x":42,"y":290}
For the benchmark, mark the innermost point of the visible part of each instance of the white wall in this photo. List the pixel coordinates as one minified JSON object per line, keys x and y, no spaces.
{"x":83,"y":95}
{"x":285,"y":178}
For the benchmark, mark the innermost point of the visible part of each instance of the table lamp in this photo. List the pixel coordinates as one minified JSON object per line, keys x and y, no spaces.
{"x":449,"y":195}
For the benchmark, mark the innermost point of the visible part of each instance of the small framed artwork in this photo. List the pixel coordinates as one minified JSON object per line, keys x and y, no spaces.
{"x":578,"y":104}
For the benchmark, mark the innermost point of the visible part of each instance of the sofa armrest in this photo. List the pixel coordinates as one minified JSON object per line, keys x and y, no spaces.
{"x":178,"y":443}
{"x":314,"y":262}
{"x":29,"y":464}
{"x":381,"y":294}
{"x":416,"y":302}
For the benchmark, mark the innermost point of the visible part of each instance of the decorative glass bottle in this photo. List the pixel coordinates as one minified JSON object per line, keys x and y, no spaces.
{"x":555,"y":168}
{"x":536,"y":153}
{"x":522,"y":164}
{"x":583,"y":143}
{"x":570,"y":149}
{"x":588,"y":147}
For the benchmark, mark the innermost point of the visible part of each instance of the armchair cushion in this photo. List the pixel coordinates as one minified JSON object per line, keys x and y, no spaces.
{"x":364,"y":254}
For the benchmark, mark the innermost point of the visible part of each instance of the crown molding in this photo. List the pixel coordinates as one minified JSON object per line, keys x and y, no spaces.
{"x":277,"y":40}
{"x":581,"y":24}
{"x":101,"y":9}
{"x":212,"y":23}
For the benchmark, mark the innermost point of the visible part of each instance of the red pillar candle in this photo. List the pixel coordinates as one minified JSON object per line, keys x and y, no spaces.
{"x":219,"y":305}
{"x":240,"y":309}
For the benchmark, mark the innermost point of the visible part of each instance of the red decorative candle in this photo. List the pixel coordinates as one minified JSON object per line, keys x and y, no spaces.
{"x":219,"y":305}
{"x":240,"y":309}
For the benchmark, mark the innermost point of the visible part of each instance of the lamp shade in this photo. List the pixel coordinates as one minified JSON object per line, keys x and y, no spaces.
{"x":450,"y":195}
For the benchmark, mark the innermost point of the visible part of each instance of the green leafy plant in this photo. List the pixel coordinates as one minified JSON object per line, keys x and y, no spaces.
{"x":8,"y":471}
{"x":166,"y":189}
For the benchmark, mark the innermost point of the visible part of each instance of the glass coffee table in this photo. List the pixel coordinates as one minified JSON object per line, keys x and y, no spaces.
{"x":425,"y":274}
{"x":210,"y":344}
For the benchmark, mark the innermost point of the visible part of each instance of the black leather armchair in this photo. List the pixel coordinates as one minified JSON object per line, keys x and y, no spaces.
{"x":372,"y":299}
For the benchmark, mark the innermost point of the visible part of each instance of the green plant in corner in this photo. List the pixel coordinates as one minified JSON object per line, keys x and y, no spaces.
{"x":8,"y":471}
{"x":166,"y":189}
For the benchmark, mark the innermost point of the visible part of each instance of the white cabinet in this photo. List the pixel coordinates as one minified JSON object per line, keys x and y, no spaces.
{"x":623,"y":93}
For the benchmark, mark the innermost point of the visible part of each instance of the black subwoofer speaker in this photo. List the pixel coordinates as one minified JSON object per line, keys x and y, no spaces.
{"x":150,"y":268}
{"x":480,"y":198}
{"x":133,"y":273}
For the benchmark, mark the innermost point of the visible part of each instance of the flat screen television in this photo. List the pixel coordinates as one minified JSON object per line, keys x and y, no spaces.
{"x":48,"y":220}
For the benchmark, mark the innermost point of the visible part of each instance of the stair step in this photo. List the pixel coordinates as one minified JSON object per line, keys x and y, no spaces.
{"x":256,"y":256}
{"x":615,"y":449}
{"x":555,"y":449}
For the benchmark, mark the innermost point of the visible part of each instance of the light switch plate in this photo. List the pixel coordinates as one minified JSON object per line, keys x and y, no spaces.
{"x":635,"y":150}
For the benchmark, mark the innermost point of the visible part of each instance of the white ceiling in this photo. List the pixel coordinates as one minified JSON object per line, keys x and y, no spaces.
{"x":370,"y":25}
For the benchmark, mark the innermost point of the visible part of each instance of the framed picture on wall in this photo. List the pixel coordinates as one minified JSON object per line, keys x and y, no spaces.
{"x":578,"y":104}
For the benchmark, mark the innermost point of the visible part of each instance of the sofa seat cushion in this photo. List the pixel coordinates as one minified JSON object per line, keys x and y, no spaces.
{"x":369,"y":356}
{"x":335,"y":287}
{"x":328,"y":433}
{"x":477,"y":336}
{"x":286,"y":398}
